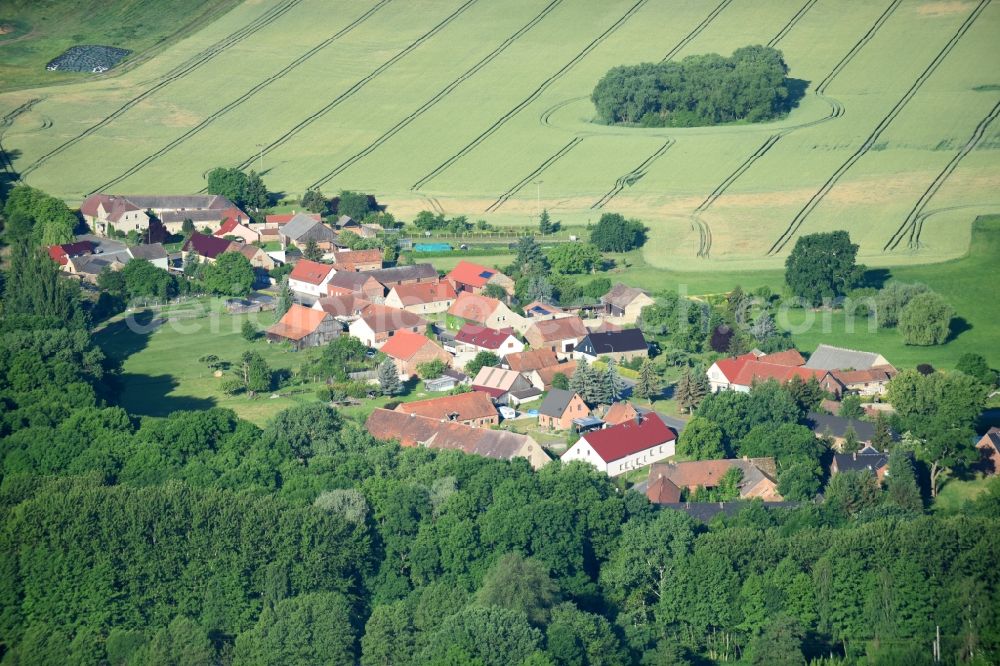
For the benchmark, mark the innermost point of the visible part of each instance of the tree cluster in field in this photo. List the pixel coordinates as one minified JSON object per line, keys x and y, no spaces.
{"x":202,"y":538}
{"x":698,"y":90}
{"x":246,"y":190}
{"x":597,"y":385}
{"x":31,"y":215}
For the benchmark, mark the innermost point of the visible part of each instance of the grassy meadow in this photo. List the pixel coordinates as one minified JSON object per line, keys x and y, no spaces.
{"x":460,"y":104}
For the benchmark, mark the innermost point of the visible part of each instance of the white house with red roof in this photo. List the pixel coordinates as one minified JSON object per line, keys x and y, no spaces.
{"x":625,"y":447}
{"x":236,"y":229}
{"x":741,"y":372}
{"x":310,"y":277}
{"x":470,"y":277}
{"x":473,"y":338}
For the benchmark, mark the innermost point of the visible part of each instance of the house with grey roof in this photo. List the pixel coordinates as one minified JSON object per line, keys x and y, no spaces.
{"x":625,"y":303}
{"x":827,"y":357}
{"x":304,"y":228}
{"x":837,"y":427}
{"x":560,"y":408}
{"x":154,"y":253}
{"x":410,"y":274}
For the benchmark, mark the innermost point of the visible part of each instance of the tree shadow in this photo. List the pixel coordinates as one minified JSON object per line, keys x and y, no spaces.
{"x":796,"y":91}
{"x":876,"y":278}
{"x":956,"y":327}
{"x":150,"y":395}
{"x":8,"y":174}
{"x":122,"y":339}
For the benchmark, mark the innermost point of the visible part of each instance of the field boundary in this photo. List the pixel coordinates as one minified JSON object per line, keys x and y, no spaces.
{"x":444,"y":92}
{"x":913,"y":221}
{"x":629,"y":178}
{"x":883,"y":124}
{"x":177,"y":73}
{"x":552,"y":159}
{"x":259,"y":86}
{"x":358,"y":85}
{"x":500,"y":122}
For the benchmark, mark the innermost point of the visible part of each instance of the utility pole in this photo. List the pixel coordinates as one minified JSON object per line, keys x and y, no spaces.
{"x":538,"y":198}
{"x":261,"y":147}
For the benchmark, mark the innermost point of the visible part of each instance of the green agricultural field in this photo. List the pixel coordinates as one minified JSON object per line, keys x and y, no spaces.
{"x":482,"y":108}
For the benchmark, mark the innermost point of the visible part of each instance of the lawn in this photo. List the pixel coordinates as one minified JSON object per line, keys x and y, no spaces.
{"x":35,"y":32}
{"x":957,"y":492}
{"x":481,"y":109}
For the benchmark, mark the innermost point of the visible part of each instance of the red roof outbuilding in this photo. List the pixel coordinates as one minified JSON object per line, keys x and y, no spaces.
{"x":630,"y":437}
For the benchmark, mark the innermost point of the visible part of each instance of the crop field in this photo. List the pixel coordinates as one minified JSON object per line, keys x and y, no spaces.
{"x":482,"y":108}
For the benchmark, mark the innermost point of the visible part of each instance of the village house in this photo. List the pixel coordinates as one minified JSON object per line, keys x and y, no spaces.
{"x":89,"y":267}
{"x":474,"y":339}
{"x":668,"y":481}
{"x":302,"y":229}
{"x":622,"y":346}
{"x":357,"y":260}
{"x":541,"y":378}
{"x":484,"y":311}
{"x":740,"y":373}
{"x":560,"y":408}
{"x":206,"y":248}
{"x":345,"y":308}
{"x":61,"y":254}
{"x":422,"y":298}
{"x":560,"y":335}
{"x":532,"y":359}
{"x":377,"y":323}
{"x":867,"y":459}
{"x":409,"y":274}
{"x":258,"y":258}
{"x":408,"y":350}
{"x":413,"y":430}
{"x":473,"y":408}
{"x":988,"y":448}
{"x":304,"y":327}
{"x":837,"y":427}
{"x":827,"y":357}
{"x":620,"y":412}
{"x":473,"y":278}
{"x":209,"y":218}
{"x":499,"y":384}
{"x":625,"y":303}
{"x":232,"y":229}
{"x":359,"y":284}
{"x":279,"y":219}
{"x":124,"y":213}
{"x":310,"y":278}
{"x":626,"y":446}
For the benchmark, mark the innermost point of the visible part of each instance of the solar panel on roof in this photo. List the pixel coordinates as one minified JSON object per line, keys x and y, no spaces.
{"x":486,"y":274}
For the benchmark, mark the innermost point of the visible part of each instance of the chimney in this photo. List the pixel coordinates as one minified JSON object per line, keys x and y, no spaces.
{"x":638,"y":418}
{"x":854,"y":455}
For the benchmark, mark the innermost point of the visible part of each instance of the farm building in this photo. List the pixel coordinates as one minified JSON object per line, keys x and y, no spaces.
{"x":233,"y":228}
{"x":473,"y":278}
{"x":626,"y":446}
{"x":668,"y":480}
{"x":310,"y":277}
{"x":540,"y":310}
{"x":378,"y":323}
{"x":304,"y":327}
{"x":357,"y":260}
{"x":345,"y":308}
{"x":422,"y":297}
{"x":359,"y":284}
{"x":258,"y":258}
{"x":154,"y":253}
{"x":541,"y":378}
{"x":206,"y":248}
{"x":484,"y":311}
{"x":560,"y":335}
{"x":473,"y":408}
{"x":533,"y":359}
{"x":500,"y":384}
{"x":474,"y":339}
{"x":827,"y":357}
{"x":626,"y":303}
{"x":301,"y":229}
{"x":411,"y":274}
{"x":61,"y":254}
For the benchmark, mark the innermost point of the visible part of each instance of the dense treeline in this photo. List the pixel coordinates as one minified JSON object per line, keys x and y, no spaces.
{"x":699,"y":90}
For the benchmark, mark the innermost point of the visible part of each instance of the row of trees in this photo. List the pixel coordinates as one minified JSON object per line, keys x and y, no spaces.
{"x":698,"y":90}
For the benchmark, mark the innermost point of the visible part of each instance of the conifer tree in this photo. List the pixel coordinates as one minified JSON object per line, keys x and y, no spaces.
{"x":388,"y":378}
{"x":648,"y":384}
{"x":581,"y":376}
{"x":614,"y":384}
{"x":691,"y":389}
{"x":285,"y":298}
{"x":599,"y":389}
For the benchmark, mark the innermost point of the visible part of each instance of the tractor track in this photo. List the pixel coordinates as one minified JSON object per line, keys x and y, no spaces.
{"x":444,"y":92}
{"x":552,"y":159}
{"x":791,"y":23}
{"x":173,"y":75}
{"x":626,"y":180}
{"x":865,"y":38}
{"x":697,"y":30}
{"x":6,"y":121}
{"x":914,"y":219}
{"x":830,"y":182}
{"x":218,"y":113}
{"x":500,"y":122}
{"x":358,"y":85}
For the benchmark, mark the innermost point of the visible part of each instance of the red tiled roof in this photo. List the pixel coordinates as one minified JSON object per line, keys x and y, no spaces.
{"x":757,"y":371}
{"x":467,"y":406}
{"x":731,"y":367}
{"x":419,"y":293}
{"x":285,"y":218}
{"x":342,"y":305}
{"x":487,"y":338}
{"x":548,"y":373}
{"x":298,"y":322}
{"x":404,"y":344}
{"x":473,"y":307}
{"x":311,"y":272}
{"x":348,"y":259}
{"x":563,"y":328}
{"x":626,"y":438}
{"x":61,"y":253}
{"x":790,"y":357}
{"x":663,"y":491}
{"x":382,"y":318}
{"x":880,"y":373}
{"x":534,"y":359}
{"x":474,"y":275}
{"x":620,"y":412}
{"x":227,"y":226}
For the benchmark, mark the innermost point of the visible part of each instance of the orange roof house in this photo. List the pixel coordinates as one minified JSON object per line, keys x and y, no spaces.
{"x":357,"y":260}
{"x":533,"y":359}
{"x":408,"y":350}
{"x":304,"y":327}
{"x":422,"y":297}
{"x":233,"y":227}
{"x":378,"y":323}
{"x":470,"y":277}
{"x":310,"y":277}
{"x":485,"y":311}
{"x":473,"y":408}
{"x":560,"y":335}
{"x":758,"y":479}
{"x":620,"y":412}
